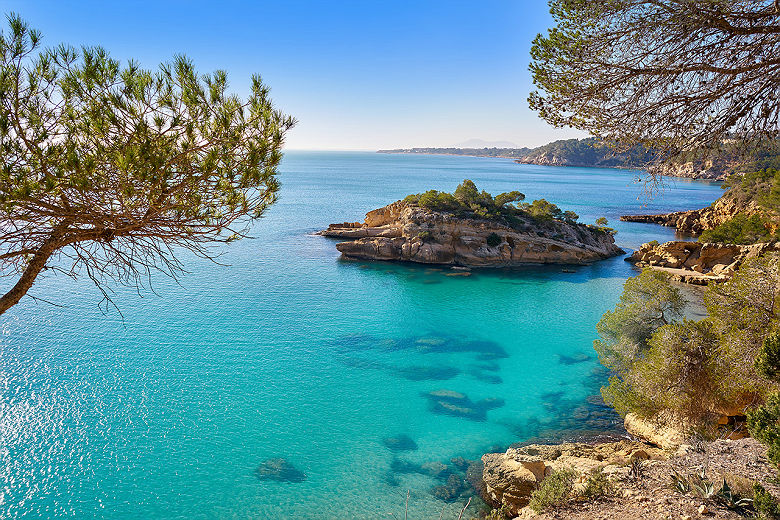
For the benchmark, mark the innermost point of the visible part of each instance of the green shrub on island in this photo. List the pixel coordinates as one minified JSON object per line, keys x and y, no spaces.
{"x":662,"y":361}
{"x":468,"y":201}
{"x":558,"y":489}
{"x":764,"y":504}
{"x":762,"y":186}
{"x":493,"y":240}
{"x":426,"y":236}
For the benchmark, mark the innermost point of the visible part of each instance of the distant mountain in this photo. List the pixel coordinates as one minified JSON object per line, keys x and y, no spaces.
{"x":479,"y":143}
{"x":508,"y":153}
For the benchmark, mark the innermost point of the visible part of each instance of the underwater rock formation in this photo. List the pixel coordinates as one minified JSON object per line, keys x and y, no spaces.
{"x":279,"y":469}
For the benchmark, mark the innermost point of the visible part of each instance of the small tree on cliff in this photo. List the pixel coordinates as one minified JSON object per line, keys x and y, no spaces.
{"x":674,"y":75}
{"x":108,"y":170}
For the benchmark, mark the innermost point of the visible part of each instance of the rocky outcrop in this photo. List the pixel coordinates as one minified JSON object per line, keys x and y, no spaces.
{"x":508,"y":479}
{"x":697,"y":262}
{"x":716,"y":170}
{"x":698,"y":220}
{"x":406,"y":232}
{"x":660,"y":431}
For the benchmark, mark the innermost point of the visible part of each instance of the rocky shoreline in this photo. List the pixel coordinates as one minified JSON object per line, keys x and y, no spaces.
{"x":696,"y":221}
{"x":696,"y":262}
{"x":405,"y":232}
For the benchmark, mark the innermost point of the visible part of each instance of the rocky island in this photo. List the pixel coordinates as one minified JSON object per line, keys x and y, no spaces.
{"x":473,"y":229}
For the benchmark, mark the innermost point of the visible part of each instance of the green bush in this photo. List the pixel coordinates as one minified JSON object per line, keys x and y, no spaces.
{"x":741,"y":229}
{"x":764,"y":503}
{"x":555,"y":490}
{"x":695,"y":368}
{"x":426,"y":236}
{"x":542,"y":210}
{"x":764,"y":422}
{"x":768,"y":359}
{"x":467,"y":201}
{"x":597,"y":486}
{"x":438,"y":201}
{"x":602,"y":221}
{"x":493,"y":240}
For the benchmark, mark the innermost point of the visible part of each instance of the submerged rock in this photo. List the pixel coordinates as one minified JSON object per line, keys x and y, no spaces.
{"x":450,"y":402}
{"x":573,"y":360}
{"x":400,"y":443}
{"x":428,"y":373}
{"x":279,"y":469}
{"x":456,"y":485}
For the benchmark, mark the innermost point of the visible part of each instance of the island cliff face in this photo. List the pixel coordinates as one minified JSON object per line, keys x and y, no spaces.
{"x":410,"y":233}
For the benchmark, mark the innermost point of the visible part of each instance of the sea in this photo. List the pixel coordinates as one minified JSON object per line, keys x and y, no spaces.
{"x":177,"y":401}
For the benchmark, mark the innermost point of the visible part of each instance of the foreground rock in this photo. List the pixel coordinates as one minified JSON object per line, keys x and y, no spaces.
{"x":510,"y":478}
{"x":648,"y":494}
{"x":696,"y":221}
{"x":699,"y":263}
{"x":405,"y":232}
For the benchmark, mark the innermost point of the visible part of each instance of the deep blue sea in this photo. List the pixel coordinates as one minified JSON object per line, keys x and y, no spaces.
{"x":288,"y":351}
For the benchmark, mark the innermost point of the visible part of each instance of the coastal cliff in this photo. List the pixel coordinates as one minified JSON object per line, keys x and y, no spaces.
{"x":696,"y":262}
{"x":697,"y":221}
{"x":407,"y":232}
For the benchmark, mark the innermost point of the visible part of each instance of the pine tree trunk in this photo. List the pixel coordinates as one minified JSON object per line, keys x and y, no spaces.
{"x":30,"y":273}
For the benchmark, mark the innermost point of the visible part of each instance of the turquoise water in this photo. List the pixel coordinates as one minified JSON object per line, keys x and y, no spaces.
{"x":291,"y":352}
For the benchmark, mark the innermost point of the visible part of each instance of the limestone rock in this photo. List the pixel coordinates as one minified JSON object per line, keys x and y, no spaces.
{"x":405,"y":232}
{"x":697,"y":262}
{"x":698,"y":220}
{"x":660,"y":431}
{"x":508,"y":479}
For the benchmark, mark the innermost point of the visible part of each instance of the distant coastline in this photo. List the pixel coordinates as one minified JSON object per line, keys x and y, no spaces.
{"x":593,"y":153}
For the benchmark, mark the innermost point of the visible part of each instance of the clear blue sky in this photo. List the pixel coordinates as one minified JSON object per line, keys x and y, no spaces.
{"x":356,"y":74}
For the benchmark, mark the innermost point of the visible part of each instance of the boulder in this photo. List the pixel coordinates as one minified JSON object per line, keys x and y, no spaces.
{"x":660,"y":430}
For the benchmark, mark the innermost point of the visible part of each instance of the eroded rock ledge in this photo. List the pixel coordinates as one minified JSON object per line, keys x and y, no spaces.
{"x":696,"y":262}
{"x":698,"y":220}
{"x":406,"y":232}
